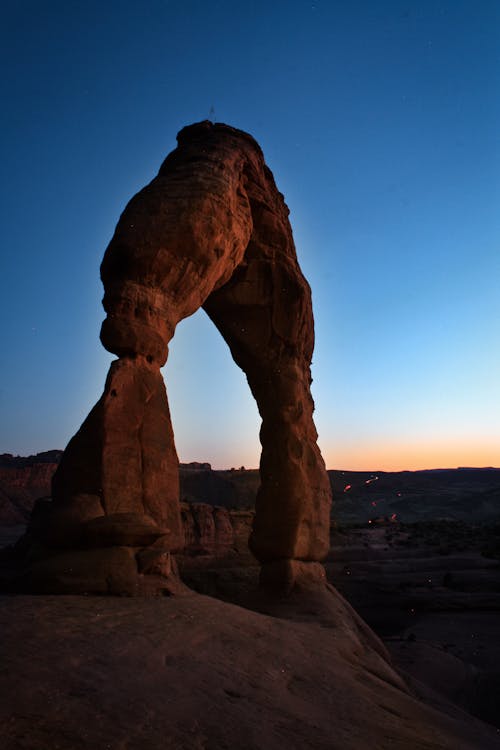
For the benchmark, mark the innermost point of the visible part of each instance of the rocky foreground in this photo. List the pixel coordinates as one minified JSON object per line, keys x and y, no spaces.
{"x":236,"y":669}
{"x":221,"y":666}
{"x":194,"y":672}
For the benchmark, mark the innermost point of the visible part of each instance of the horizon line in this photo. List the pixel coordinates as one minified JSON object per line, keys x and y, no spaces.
{"x":256,"y":468}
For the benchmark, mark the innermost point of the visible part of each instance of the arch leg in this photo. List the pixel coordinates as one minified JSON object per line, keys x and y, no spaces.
{"x":264,"y":313}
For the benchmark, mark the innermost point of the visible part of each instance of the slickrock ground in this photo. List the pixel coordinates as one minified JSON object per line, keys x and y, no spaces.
{"x":195,"y":673}
{"x":432,"y":592}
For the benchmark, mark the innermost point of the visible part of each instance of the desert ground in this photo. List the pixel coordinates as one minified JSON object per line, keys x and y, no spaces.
{"x":224,"y":665}
{"x":240,"y":669}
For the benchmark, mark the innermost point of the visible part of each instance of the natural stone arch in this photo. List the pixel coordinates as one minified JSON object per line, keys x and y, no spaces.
{"x":212,"y":231}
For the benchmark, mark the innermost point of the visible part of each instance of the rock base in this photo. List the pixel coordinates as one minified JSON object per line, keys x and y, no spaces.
{"x":283,"y":576}
{"x":116,"y":571}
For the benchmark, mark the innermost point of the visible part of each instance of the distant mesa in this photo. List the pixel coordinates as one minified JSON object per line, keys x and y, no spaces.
{"x":211,"y":230}
{"x":195,"y":466}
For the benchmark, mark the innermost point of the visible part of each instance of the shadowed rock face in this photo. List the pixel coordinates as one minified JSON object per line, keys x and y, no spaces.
{"x":212,"y":231}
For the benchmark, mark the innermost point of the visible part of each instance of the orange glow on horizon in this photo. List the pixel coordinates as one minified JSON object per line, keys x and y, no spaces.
{"x":384,"y":455}
{"x":412,"y":455}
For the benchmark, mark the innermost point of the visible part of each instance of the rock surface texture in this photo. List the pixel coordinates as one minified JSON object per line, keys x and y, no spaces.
{"x":212,"y":231}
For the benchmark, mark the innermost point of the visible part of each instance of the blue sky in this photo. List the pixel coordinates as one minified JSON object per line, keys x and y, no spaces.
{"x":380,"y":121}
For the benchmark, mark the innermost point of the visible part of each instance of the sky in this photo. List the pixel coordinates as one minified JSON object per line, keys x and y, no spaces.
{"x":380,"y":121}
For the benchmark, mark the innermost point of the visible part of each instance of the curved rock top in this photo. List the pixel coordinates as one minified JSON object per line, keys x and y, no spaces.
{"x":213,"y":202}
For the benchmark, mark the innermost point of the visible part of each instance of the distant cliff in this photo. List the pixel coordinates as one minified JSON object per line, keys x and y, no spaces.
{"x":464,"y":494}
{"x":359,"y":497}
{"x":211,"y":530}
{"x":23,"y":479}
{"x":232,"y":488}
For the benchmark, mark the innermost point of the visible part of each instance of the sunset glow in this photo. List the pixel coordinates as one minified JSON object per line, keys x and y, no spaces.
{"x":413,"y":456}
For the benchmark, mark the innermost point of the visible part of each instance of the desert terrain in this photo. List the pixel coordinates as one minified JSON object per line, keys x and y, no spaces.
{"x":223,"y":665}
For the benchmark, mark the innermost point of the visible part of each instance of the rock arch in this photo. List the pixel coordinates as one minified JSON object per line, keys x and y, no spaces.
{"x":212,"y":231}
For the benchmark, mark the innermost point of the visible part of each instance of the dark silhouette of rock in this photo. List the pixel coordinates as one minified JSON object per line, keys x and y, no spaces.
{"x":212,"y":231}
{"x":195,"y":466}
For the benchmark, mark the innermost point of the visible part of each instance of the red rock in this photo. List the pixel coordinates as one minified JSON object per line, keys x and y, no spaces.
{"x":208,"y":530}
{"x":224,"y":532}
{"x":112,"y":570}
{"x":204,"y":524}
{"x":241,"y":521}
{"x":121,"y":530}
{"x":213,"y":230}
{"x":157,"y":561}
{"x":285,"y":575}
{"x":125,"y":451}
{"x":188,"y":525}
{"x":64,"y":526}
{"x":210,"y":230}
{"x":10,"y":512}
{"x":23,"y":479}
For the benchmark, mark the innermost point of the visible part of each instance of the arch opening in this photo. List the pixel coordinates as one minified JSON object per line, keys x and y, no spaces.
{"x":214,"y":415}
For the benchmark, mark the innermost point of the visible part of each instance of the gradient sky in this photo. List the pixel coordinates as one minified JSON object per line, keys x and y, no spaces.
{"x":380,"y":120}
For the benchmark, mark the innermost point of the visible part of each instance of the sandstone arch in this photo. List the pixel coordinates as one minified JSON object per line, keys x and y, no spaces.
{"x":212,"y":231}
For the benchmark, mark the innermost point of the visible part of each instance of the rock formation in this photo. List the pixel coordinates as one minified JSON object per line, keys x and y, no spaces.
{"x":22,"y":481}
{"x":212,"y":231}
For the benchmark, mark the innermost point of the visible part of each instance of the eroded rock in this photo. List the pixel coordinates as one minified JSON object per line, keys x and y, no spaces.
{"x":212,"y":231}
{"x":208,"y":530}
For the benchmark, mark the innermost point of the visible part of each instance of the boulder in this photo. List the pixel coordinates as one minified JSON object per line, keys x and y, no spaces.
{"x":121,"y":529}
{"x":110,"y":570}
